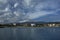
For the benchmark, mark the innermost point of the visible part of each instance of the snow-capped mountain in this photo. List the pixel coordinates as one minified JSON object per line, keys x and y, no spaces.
{"x":26,"y":10}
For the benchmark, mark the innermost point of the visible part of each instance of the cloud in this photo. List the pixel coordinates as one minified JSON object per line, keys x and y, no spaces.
{"x":28,"y":9}
{"x":15,"y":5}
{"x":43,"y":9}
{"x":38,"y":14}
{"x":27,"y":2}
{"x":3,"y":1}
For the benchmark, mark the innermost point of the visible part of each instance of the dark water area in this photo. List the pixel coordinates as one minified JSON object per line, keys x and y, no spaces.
{"x":30,"y":33}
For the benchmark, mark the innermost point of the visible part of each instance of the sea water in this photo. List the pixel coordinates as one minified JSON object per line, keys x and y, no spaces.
{"x":44,"y":33}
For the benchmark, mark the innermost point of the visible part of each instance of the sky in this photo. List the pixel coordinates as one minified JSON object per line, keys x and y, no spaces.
{"x":14,"y":11}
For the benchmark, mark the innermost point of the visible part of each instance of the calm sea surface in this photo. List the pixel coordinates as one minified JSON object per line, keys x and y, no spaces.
{"x":30,"y":33}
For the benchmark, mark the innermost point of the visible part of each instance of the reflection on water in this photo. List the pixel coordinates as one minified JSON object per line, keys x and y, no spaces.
{"x":29,"y":33}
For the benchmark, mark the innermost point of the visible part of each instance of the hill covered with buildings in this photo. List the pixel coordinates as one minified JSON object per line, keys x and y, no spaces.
{"x":32,"y":24}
